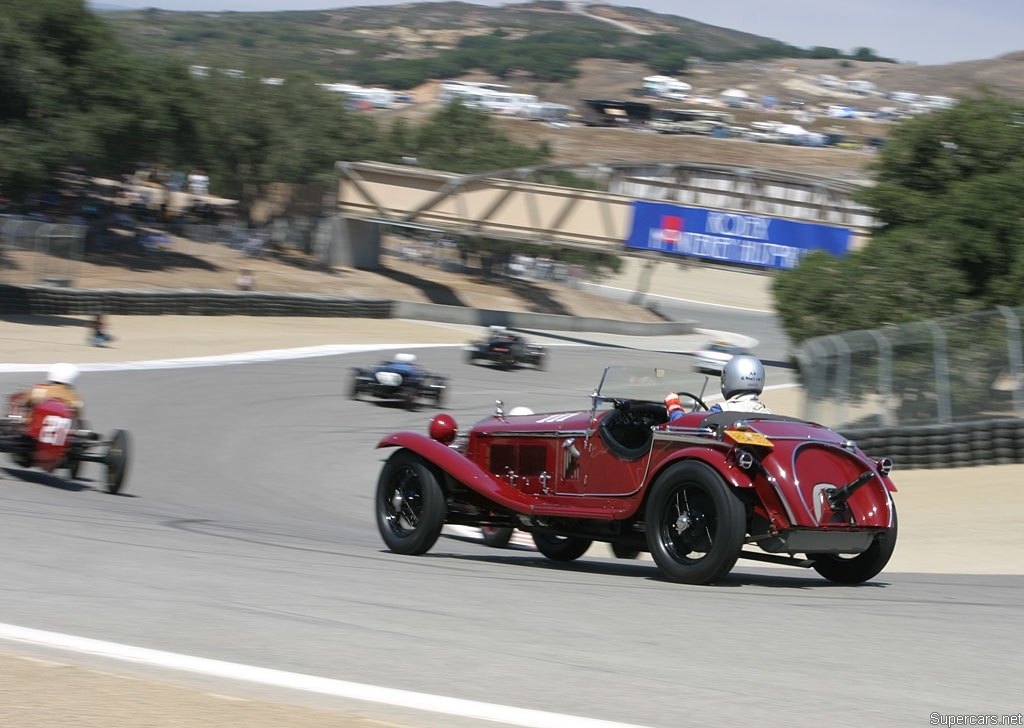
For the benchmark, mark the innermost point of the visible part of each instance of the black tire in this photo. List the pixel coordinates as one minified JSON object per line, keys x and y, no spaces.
{"x":410,"y":504}
{"x":116,"y":460}
{"x":353,"y":392}
{"x":622,"y":551}
{"x":861,"y":567}
{"x":74,"y":466}
{"x":695,"y":524}
{"x":561,"y":548}
{"x":497,"y":537}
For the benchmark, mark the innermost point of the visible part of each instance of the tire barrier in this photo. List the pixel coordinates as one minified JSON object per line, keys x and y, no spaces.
{"x":996,"y":441}
{"x":42,"y":300}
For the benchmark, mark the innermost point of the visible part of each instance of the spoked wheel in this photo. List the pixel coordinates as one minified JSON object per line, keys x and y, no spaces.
{"x":561,"y":548}
{"x":410,"y":504}
{"x":497,"y":537}
{"x":695,"y":524}
{"x":858,"y":568}
{"x":116,"y":460}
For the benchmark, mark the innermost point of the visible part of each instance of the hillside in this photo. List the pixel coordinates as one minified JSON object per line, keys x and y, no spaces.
{"x":331,"y":44}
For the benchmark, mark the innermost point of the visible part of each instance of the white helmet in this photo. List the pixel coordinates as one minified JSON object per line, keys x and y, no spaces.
{"x":63,"y":373}
{"x":520,"y":410}
{"x":742,"y":374}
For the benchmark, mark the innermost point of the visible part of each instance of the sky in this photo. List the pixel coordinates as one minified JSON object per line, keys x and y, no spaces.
{"x":912,"y":31}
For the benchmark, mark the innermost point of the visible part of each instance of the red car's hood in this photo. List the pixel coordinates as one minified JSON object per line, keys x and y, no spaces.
{"x":540,"y":423}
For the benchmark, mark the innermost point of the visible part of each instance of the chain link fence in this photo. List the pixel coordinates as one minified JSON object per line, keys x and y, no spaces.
{"x":37,"y":252}
{"x":959,"y":369}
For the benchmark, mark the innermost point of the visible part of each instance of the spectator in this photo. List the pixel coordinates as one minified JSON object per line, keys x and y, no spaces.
{"x":99,"y":336}
{"x":245,"y":280}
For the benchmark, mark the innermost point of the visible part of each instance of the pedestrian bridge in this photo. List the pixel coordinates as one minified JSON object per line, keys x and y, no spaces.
{"x":588,"y":206}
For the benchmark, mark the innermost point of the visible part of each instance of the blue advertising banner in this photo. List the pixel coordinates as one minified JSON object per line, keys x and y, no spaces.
{"x":732,"y":237}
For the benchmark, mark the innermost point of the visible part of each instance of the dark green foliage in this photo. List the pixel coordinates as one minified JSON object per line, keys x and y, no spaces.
{"x":459,"y":139}
{"x":950,"y":196}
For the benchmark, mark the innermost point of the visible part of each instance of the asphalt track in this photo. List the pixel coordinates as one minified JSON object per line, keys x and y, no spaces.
{"x":245,"y":536}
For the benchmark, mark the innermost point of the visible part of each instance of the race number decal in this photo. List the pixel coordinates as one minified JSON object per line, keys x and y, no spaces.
{"x":54,"y":430}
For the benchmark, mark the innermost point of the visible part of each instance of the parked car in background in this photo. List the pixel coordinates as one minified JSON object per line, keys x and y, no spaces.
{"x":712,"y":358}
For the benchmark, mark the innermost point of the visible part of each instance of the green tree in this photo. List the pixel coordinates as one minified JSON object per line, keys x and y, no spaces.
{"x":459,"y":139}
{"x":950,"y":200}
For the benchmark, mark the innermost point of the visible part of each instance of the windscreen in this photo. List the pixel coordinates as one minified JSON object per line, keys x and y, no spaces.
{"x":650,"y":383}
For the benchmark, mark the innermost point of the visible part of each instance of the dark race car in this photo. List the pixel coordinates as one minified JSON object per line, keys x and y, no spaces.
{"x":698,"y":492}
{"x":400,"y":379}
{"x":506,"y":349}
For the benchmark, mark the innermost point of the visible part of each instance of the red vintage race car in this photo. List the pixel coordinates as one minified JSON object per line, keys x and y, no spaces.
{"x":49,"y":437}
{"x":698,"y":492}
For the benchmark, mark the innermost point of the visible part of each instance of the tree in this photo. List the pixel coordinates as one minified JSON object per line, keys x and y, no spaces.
{"x":950,"y":198}
{"x":460,"y":139}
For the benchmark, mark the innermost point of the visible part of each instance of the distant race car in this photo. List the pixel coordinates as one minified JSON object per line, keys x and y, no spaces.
{"x":48,"y":436}
{"x":506,"y":349}
{"x":402,"y":379}
{"x":712,"y":357}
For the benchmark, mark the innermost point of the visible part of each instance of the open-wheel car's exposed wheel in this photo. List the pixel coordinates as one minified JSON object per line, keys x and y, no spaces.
{"x":116,"y":460}
{"x":497,"y":537}
{"x":858,"y":568}
{"x":74,"y":465}
{"x":354,"y":391}
{"x":410,"y":504}
{"x":695,"y":524}
{"x":560,"y":548}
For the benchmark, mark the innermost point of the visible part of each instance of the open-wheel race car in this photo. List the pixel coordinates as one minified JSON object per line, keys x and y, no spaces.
{"x":400,"y":379}
{"x":698,"y":492}
{"x":49,"y":437}
{"x":506,"y":349}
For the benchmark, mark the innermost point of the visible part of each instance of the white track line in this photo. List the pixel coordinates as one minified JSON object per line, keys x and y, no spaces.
{"x":249,"y":357}
{"x":307,"y":683}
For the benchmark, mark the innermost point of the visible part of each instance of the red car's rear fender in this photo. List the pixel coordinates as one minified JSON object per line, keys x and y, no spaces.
{"x":767,"y":496}
{"x":459,"y":467}
{"x":717,"y":459}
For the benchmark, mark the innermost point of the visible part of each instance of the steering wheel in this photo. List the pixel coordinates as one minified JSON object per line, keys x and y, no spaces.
{"x":698,"y":402}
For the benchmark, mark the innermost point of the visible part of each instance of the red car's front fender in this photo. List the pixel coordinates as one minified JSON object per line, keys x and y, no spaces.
{"x":459,"y":467}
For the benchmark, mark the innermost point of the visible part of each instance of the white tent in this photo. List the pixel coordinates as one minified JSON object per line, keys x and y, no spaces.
{"x":735,"y":93}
